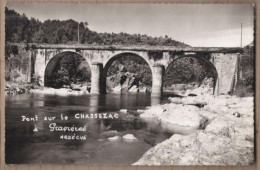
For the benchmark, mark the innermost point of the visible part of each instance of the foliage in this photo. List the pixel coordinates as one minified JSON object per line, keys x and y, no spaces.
{"x":246,"y":82}
{"x":21,"y":29}
{"x":186,"y":70}
{"x":70,"y":69}
{"x":156,"y":55}
{"x":11,"y":49}
{"x":247,"y":65}
{"x":132,"y":64}
{"x":16,"y":63}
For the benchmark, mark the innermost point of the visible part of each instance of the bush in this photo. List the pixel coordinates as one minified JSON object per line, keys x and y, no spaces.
{"x":244,"y":91}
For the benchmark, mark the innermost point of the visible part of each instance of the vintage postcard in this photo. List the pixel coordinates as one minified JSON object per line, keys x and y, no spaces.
{"x":129,"y":84}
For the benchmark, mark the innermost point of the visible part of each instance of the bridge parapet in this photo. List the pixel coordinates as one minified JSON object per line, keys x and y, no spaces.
{"x":131,"y":48}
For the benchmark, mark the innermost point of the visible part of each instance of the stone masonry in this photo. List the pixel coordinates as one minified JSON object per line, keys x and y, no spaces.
{"x":223,"y":62}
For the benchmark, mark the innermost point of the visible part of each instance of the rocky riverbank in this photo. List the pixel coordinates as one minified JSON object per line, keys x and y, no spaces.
{"x":120,"y":82}
{"x":125,"y":81}
{"x":220,"y":133}
{"x":60,"y":91}
{"x":195,"y":88}
{"x":16,"y":88}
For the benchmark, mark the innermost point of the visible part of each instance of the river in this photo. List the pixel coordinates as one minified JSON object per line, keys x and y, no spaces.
{"x":23,"y":145}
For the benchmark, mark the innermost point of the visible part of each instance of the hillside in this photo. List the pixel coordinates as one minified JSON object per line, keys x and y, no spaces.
{"x":19,"y":28}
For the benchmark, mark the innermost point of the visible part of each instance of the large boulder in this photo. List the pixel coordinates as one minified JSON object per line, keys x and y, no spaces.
{"x":175,"y":118}
{"x":221,"y":125}
{"x":200,"y":148}
{"x":127,"y":81}
{"x":227,"y":139}
{"x":117,"y":88}
{"x":125,"y":85}
{"x":76,"y":87}
{"x":133,"y":89}
{"x":115,"y":138}
{"x":223,"y":137}
{"x":129,"y":138}
{"x":143,"y":89}
{"x":237,"y":127}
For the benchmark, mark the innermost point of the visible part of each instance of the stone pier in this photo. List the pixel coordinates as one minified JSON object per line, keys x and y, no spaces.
{"x":96,"y":71}
{"x":226,"y":66}
{"x":157,"y":80}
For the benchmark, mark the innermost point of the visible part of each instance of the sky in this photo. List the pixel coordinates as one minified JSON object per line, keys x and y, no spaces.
{"x":199,"y":25}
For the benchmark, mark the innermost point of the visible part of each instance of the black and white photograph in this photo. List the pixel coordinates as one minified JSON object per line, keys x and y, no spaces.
{"x":129,"y":83}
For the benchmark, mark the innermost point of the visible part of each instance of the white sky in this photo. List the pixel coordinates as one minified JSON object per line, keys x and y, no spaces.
{"x":211,"y":25}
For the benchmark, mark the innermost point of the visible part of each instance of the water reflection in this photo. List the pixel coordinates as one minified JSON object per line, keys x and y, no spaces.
{"x":94,"y":103}
{"x":155,"y":100}
{"x":25,"y":146}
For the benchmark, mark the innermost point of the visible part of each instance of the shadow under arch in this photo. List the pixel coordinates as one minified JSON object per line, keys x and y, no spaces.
{"x":203,"y":59}
{"x":109,"y":63}
{"x":55,"y":60}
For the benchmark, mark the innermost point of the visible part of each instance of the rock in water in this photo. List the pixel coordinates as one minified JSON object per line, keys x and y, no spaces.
{"x":174,"y":118}
{"x":75,"y":87}
{"x":125,"y":85}
{"x":115,"y":138}
{"x":66,"y":86}
{"x":117,"y":88}
{"x":123,"y":110}
{"x":143,"y":89}
{"x":126,"y":80}
{"x":153,"y":112}
{"x":140,"y":111}
{"x":131,"y":81}
{"x":133,"y":89}
{"x":129,"y":138}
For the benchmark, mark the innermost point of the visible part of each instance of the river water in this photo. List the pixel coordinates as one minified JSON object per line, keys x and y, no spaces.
{"x":24,"y":145}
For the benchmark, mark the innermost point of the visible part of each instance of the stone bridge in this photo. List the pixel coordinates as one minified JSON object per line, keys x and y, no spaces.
{"x":222,"y":61}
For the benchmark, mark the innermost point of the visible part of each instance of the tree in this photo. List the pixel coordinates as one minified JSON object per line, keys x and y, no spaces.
{"x":70,"y":69}
{"x":187,"y":70}
{"x":21,"y":29}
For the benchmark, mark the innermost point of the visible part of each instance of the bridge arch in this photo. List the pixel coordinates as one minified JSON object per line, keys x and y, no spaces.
{"x":52,"y":63}
{"x":204,"y":60}
{"x":109,"y":62}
